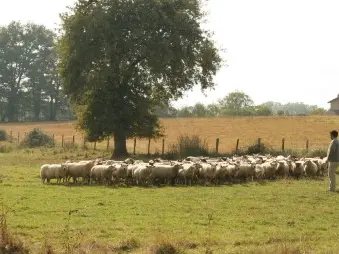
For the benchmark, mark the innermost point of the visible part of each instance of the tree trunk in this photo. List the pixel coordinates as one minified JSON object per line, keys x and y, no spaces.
{"x":120,"y":148}
{"x":11,"y":109}
{"x":52,"y":110}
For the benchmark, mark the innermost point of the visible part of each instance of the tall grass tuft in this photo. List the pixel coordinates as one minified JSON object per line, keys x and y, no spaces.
{"x":189,"y":146}
{"x":165,"y":247}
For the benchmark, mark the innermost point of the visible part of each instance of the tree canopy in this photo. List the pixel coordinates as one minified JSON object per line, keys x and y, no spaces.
{"x":120,"y":59}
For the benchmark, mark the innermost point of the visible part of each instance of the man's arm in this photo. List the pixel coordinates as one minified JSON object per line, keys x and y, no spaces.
{"x":332,"y":149}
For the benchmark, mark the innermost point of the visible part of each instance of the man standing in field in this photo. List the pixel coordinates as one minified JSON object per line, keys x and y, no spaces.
{"x":333,"y":159}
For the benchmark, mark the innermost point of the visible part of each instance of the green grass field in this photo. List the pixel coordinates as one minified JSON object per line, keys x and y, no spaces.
{"x":285,"y":216}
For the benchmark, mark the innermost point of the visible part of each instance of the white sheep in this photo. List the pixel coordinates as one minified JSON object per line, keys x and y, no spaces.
{"x":207,"y":171}
{"x":282,"y":168}
{"x":80,"y":169}
{"x":245,"y":171}
{"x":120,"y":172}
{"x":269,"y":169}
{"x":101,"y":173}
{"x":53,"y":171}
{"x":189,"y":172}
{"x":310,"y":168}
{"x":163,"y":172}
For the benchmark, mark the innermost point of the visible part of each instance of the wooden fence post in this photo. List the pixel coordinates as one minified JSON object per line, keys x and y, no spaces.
{"x":217,"y":145}
{"x":134,"y":145}
{"x":95,"y":145}
{"x":107,"y":148}
{"x":163,"y":147}
{"x":149,"y":147}
{"x":307,"y":145}
{"x":237,"y":146}
{"x":62,"y":140}
{"x":18,"y":137}
{"x":73,"y":141}
{"x":283,"y":145}
{"x":52,"y":137}
{"x":259,"y":143}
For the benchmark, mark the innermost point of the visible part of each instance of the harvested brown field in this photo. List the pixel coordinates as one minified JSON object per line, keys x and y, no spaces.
{"x":296,"y":130}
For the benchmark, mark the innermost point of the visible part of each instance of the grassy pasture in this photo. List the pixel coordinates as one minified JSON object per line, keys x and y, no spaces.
{"x":296,"y":130}
{"x":284,"y":216}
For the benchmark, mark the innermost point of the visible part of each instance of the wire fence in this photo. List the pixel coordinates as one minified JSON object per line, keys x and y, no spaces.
{"x":163,"y":145}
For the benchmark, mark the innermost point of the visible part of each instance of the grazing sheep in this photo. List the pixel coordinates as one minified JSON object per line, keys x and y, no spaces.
{"x":163,"y":172}
{"x":221,"y":172}
{"x":189,"y":172}
{"x":269,"y":169}
{"x":245,"y":171}
{"x":141,"y":173}
{"x":53,"y":171}
{"x":298,"y":171}
{"x":231,"y":171}
{"x":259,"y":171}
{"x":310,"y":168}
{"x":282,"y":168}
{"x":80,"y":169}
{"x":102,"y":174}
{"x":120,"y":172}
{"x":207,"y":171}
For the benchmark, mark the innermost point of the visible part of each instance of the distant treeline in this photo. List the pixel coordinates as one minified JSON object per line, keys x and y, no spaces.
{"x":31,"y":89}
{"x":240,"y":104}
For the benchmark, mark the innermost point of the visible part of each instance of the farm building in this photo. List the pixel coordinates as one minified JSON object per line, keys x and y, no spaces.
{"x":335,"y":105}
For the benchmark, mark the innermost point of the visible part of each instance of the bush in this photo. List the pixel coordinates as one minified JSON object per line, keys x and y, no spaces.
{"x":317,"y":153}
{"x":70,"y":146}
{"x":256,"y":149}
{"x":3,"y":135}
{"x":37,"y":138}
{"x":189,"y":146}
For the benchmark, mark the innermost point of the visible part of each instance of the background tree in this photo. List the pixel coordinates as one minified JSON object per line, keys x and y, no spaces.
{"x":121,"y":59}
{"x":28,"y":73}
{"x":166,"y":111}
{"x":319,"y":111}
{"x":235,"y":103}
{"x":199,"y":110}
{"x":186,"y":111}
{"x":213,"y":109}
{"x":262,"y":110}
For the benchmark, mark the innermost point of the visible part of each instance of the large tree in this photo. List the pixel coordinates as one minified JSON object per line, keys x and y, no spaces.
{"x":122,"y":58}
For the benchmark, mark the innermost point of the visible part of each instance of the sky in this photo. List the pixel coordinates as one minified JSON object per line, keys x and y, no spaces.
{"x":284,"y":51}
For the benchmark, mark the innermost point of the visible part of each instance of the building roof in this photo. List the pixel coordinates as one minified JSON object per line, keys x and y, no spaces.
{"x":335,"y":99}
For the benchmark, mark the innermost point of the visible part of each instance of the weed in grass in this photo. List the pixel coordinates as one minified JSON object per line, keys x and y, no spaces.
{"x":72,"y":239}
{"x":8,"y":242}
{"x":47,"y":248}
{"x":165,"y":247}
{"x":128,"y":245}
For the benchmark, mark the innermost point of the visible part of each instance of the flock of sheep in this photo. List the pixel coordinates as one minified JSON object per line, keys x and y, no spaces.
{"x":192,"y":170}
